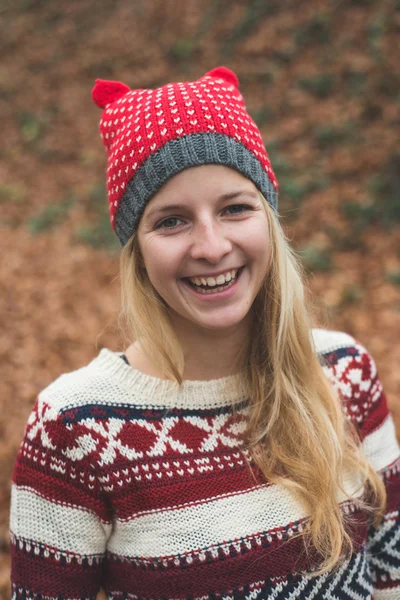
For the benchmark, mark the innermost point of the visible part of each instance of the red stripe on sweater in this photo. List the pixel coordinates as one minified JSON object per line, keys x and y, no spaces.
{"x":387,"y":584}
{"x":56,"y":490}
{"x":187,"y":490}
{"x":375,"y":418}
{"x":48,"y":577}
{"x":393,"y":491}
{"x":223,"y":573}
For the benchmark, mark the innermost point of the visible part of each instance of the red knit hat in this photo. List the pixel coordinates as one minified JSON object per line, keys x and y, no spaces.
{"x":151,"y":135}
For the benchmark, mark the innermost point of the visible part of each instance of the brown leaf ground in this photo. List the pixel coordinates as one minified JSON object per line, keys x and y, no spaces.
{"x":320,"y":78}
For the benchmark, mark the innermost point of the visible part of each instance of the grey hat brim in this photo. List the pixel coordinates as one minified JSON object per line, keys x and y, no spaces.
{"x":179,"y":154}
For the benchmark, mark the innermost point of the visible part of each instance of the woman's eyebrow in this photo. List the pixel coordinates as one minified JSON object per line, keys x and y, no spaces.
{"x":164,"y":209}
{"x":228,"y":196}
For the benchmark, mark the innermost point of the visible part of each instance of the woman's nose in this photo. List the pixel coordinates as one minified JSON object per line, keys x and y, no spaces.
{"x":210,"y":242}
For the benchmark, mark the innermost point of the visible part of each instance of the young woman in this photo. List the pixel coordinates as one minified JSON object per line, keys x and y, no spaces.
{"x":231,"y":451}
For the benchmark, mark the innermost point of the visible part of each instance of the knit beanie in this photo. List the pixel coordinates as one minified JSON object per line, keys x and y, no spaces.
{"x":151,"y":135}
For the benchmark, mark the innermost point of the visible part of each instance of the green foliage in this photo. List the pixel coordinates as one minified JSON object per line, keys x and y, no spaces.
{"x":388,"y":84}
{"x":291,"y":191}
{"x":316,"y":259}
{"x":97,"y":198}
{"x":210,"y":15}
{"x":294,"y":189}
{"x":101,"y":66}
{"x":385,"y":193}
{"x":256,"y":11}
{"x":382,"y":207}
{"x":315,"y":31}
{"x":280,"y":163}
{"x":376,"y":27}
{"x":98,"y":233}
{"x":341,"y":241}
{"x":375,"y":32}
{"x":351,"y":294}
{"x":320,"y":85}
{"x":330,"y":135}
{"x":182,"y":50}
{"x":360,"y":216}
{"x":262,"y":116}
{"x":87,"y":158}
{"x":31,"y":126}
{"x":362,"y":2}
{"x":284,"y":56}
{"x":50,"y":216}
{"x":11,"y":193}
{"x":29,"y":4}
{"x":355,"y":81}
{"x":318,"y":183}
{"x":393,"y":277}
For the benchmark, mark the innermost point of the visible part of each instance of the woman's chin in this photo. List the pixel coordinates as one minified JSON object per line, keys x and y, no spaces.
{"x":220,"y":321}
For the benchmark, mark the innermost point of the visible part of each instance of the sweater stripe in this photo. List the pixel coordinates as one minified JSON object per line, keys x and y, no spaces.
{"x":380,"y":447}
{"x":387,"y":594}
{"x":264,"y":561}
{"x":204,"y":523}
{"x":60,"y":491}
{"x":189,"y":491}
{"x":36,"y":518}
{"x":58,"y":579}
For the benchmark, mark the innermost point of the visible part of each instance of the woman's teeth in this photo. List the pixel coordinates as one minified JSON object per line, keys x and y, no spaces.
{"x":219,"y":283}
{"x":213,"y":281}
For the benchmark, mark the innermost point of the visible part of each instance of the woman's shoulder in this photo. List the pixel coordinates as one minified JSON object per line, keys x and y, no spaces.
{"x":92,"y":382}
{"x":352,"y":371}
{"x":327,"y":341}
{"x":336,"y":348}
{"x":342,"y":352}
{"x":84,"y":393}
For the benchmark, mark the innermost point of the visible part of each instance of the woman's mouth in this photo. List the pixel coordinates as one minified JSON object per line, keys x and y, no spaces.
{"x":214,"y":285}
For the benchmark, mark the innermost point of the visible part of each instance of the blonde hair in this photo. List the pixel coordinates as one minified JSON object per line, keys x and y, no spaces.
{"x":297,"y":432}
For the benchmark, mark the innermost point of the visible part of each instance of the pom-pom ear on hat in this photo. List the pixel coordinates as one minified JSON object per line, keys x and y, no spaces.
{"x":105,"y":92}
{"x":225,"y":74}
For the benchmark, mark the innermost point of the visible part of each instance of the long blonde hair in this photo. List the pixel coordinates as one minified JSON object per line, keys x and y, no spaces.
{"x":297,"y":432}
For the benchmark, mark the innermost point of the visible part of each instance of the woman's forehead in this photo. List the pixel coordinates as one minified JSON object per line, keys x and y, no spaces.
{"x":206,"y":182}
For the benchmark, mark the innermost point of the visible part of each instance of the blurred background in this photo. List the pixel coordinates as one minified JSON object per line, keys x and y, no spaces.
{"x":321,"y":79}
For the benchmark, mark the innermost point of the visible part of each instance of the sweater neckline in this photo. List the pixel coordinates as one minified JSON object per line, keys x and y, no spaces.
{"x":195,"y":394}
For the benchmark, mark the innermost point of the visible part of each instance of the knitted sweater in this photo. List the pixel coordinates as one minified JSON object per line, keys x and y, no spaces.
{"x":128,"y":482}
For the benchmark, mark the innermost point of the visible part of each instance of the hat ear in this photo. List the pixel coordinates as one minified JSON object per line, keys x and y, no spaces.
{"x":106,"y":92}
{"x":225,"y":74}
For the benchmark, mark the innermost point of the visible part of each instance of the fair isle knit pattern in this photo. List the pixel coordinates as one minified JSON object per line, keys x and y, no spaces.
{"x":127,"y":482}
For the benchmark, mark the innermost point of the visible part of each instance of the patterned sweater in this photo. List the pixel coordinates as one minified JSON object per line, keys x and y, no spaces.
{"x":130,"y":483}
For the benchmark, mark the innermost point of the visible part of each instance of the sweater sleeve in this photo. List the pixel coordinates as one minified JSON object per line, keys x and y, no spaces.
{"x":381,"y":447}
{"x":59,"y":521}
{"x":366,"y":405}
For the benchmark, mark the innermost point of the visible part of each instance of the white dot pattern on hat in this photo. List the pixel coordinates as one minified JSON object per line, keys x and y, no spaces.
{"x":143,"y":121}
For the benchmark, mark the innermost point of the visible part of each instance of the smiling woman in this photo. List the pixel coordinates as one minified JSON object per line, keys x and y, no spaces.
{"x":231,"y":451}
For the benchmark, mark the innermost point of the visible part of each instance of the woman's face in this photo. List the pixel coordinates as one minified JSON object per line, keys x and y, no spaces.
{"x":205,"y":243}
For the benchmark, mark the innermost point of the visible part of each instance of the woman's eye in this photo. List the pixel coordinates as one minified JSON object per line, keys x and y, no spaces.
{"x":237,"y":209}
{"x":168,"y":223}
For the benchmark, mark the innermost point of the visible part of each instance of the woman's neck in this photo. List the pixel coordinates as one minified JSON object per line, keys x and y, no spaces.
{"x":214,"y":354}
{"x":209,"y":354}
